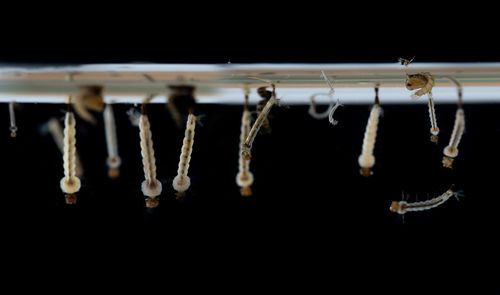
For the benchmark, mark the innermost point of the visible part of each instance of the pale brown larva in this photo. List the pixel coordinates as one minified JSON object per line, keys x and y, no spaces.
{"x":402,"y":207}
{"x":182,"y":182}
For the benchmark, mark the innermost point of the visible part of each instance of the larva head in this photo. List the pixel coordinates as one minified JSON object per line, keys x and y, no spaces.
{"x":113,"y":173}
{"x":70,"y":199}
{"x":246,"y":191}
{"x":434,"y":138}
{"x":246,"y":155}
{"x":415,"y":81}
{"x":366,"y":172}
{"x":70,"y":185}
{"x":152,"y":202}
{"x":447,"y":162}
{"x":398,"y":207}
{"x":179,"y":196}
{"x":181,"y":183}
{"x":151,"y":188}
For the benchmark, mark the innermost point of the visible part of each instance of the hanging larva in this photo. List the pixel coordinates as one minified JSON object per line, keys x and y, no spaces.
{"x":246,"y":147}
{"x":70,"y":183}
{"x":244,"y":178}
{"x":56,"y":130}
{"x":151,"y":187}
{"x":182,"y":182}
{"x":113,"y":161}
{"x":13,"y":126}
{"x":451,"y":151}
{"x":402,"y":207}
{"x":367,"y":160}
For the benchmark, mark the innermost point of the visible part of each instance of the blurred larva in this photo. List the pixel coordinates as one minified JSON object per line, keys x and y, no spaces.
{"x":182,"y":182}
{"x":113,"y":161}
{"x":13,"y":126}
{"x":244,"y":178}
{"x":402,"y":207}
{"x":367,"y":160}
{"x":451,"y":151}
{"x":89,"y":98}
{"x":70,"y":183}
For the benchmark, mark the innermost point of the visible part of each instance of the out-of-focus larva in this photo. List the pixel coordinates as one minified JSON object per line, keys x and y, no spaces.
{"x":402,"y":207}
{"x":451,"y":151}
{"x":246,"y":147}
{"x":151,"y":187}
{"x":180,"y":101}
{"x":113,"y":161}
{"x":182,"y":182}
{"x":56,"y":130}
{"x":244,"y":178}
{"x":367,"y":160}
{"x":89,"y":98}
{"x":70,"y":183}
{"x":134,"y":116}
{"x":13,"y":126}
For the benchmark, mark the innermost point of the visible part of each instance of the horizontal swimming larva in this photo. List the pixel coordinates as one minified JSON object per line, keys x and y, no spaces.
{"x":13,"y":126}
{"x":113,"y":161}
{"x":182,"y":182}
{"x":402,"y":207}
{"x":70,"y":183}
{"x":244,"y":178}
{"x":367,"y":160}
{"x":451,"y":151}
{"x":246,"y":147}
{"x":151,"y":187}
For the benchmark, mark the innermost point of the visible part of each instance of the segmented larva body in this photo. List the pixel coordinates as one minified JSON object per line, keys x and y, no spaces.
{"x":113,"y":161}
{"x":432,"y":117}
{"x":244,"y":178}
{"x":182,"y":181}
{"x":70,"y":183}
{"x":13,"y":127}
{"x":402,"y":207}
{"x":57,"y":133}
{"x":151,"y":187}
{"x":246,"y":147}
{"x":422,"y":81}
{"x":451,"y":151}
{"x":366,"y":160}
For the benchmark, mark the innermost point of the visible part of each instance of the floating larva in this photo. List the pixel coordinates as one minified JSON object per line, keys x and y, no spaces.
{"x":367,"y":160}
{"x":246,"y":147}
{"x":244,"y":178}
{"x":13,"y":126}
{"x":113,"y":161}
{"x":182,"y":181}
{"x":70,"y":183}
{"x":151,"y":187}
{"x":451,"y":151}
{"x":402,"y":207}
{"x":55,"y":129}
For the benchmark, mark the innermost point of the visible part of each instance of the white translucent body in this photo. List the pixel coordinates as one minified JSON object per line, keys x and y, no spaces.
{"x":404,"y":207}
{"x":114,"y":160}
{"x":366,"y":159}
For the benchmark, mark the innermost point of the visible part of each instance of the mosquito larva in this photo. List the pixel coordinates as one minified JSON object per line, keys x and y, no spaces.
{"x":70,"y":183}
{"x":55,"y":129}
{"x":113,"y":161}
{"x":331,"y":108}
{"x":367,"y":160}
{"x":13,"y":126}
{"x":182,"y":181}
{"x":451,"y":151}
{"x":151,"y":187}
{"x":402,"y":207}
{"x":432,"y":117}
{"x":244,"y":178}
{"x":246,"y":147}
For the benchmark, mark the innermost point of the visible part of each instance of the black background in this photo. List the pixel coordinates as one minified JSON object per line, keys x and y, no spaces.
{"x":312,"y":216}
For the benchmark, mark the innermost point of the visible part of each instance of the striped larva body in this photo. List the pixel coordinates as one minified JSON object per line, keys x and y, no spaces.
{"x":367,"y":160}
{"x":451,"y":151}
{"x":182,"y":181}
{"x":422,"y":81}
{"x":113,"y":161}
{"x":55,"y":129}
{"x":246,"y":147}
{"x":244,"y":178}
{"x":70,"y":183}
{"x":13,"y":126}
{"x":151,"y":187}
{"x":402,"y":207}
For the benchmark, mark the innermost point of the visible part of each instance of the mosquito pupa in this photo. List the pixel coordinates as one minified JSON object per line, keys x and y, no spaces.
{"x":182,"y":181}
{"x":13,"y":126}
{"x":244,"y":178}
{"x":331,"y":108}
{"x":402,"y":207}
{"x":151,"y":187}
{"x":89,"y":98}
{"x":113,"y":161}
{"x":246,"y":147}
{"x":367,"y":160}
{"x":451,"y":151}
{"x":70,"y":183}
{"x":56,"y":130}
